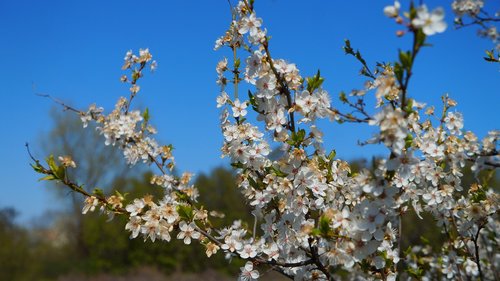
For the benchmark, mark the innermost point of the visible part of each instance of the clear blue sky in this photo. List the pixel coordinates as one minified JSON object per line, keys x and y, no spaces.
{"x":74,"y":50}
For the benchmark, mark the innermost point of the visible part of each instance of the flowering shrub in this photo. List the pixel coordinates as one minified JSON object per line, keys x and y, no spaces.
{"x":315,"y":218}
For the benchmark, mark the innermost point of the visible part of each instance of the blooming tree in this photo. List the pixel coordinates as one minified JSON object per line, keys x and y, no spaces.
{"x":315,"y":218}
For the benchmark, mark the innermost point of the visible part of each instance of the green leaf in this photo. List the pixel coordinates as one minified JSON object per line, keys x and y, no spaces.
{"x":251,"y":99}
{"x":360,"y":58}
{"x":297,"y":138}
{"x":398,"y":72}
{"x":60,"y":172}
{"x":424,"y":240}
{"x":332,"y":154}
{"x":408,"y":251}
{"x":324,"y":226}
{"x":314,"y":82}
{"x":185,"y":212}
{"x":389,"y":175}
{"x":413,"y":11}
{"x":490,"y":56}
{"x":301,"y":135}
{"x":47,"y":178}
{"x":316,"y":232}
{"x":420,"y":38}
{"x":118,"y":194}
{"x":409,"y":106}
{"x":478,"y":196}
{"x":347,"y":47}
{"x":38,"y":168}
{"x":254,"y":184}
{"x":52,"y":163}
{"x":145,"y":115}
{"x":365,"y":265}
{"x":237,"y":165}
{"x":364,"y":71}
{"x":405,"y":59}
{"x":415,"y":272}
{"x":135,"y":75}
{"x":408,"y":141}
{"x":182,"y":197}
{"x":278,"y":172}
{"x":343,"y":97}
{"x":98,"y":192}
{"x":350,"y":51}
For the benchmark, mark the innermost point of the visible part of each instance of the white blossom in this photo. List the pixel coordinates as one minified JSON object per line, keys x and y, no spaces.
{"x":431,"y":23}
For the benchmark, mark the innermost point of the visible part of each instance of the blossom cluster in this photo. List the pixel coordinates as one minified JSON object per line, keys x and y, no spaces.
{"x":469,"y":12}
{"x":467,"y":7}
{"x":430,"y":23}
{"x":316,"y":218}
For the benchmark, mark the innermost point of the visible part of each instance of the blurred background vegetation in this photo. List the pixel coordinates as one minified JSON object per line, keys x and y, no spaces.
{"x":66,"y":245}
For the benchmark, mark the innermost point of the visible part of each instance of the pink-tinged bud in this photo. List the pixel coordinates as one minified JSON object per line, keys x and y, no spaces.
{"x":399,"y":20}
{"x":400,"y":33}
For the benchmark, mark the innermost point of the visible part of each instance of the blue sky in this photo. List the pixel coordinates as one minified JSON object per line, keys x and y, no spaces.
{"x":73,"y":50}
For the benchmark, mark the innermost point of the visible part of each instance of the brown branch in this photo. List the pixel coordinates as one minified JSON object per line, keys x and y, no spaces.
{"x":134,"y":82}
{"x":317,"y":262}
{"x":283,"y":86}
{"x":349,"y":117}
{"x":72,"y":185}
{"x":404,"y":85}
{"x":58,"y":101}
{"x":476,"y":249}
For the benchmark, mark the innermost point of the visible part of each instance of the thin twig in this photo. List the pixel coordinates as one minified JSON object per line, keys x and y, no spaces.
{"x":283,"y":86}
{"x":476,"y":248}
{"x":58,"y":101}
